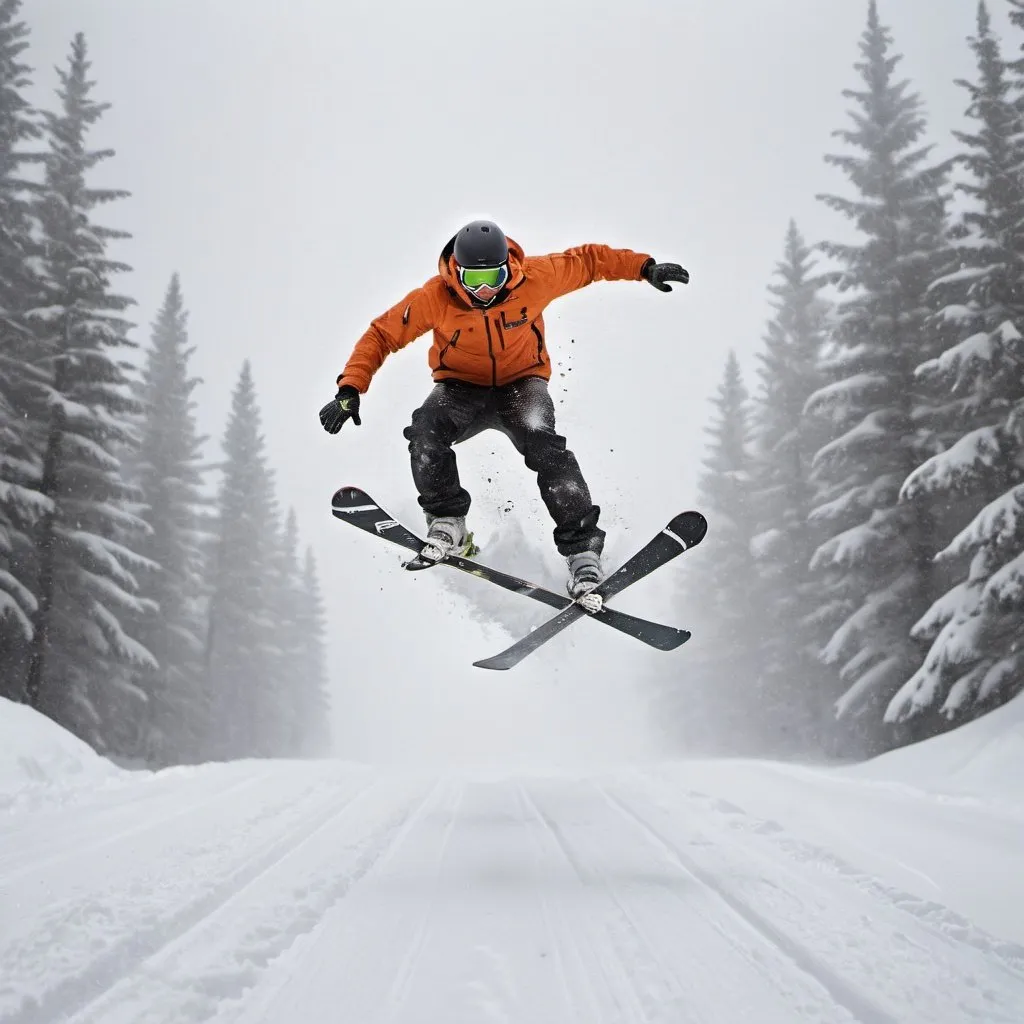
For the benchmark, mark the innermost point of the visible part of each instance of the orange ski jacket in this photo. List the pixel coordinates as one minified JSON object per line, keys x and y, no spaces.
{"x":493,"y":345}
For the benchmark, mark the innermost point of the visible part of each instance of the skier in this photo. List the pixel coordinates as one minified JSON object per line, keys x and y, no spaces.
{"x":491,"y":367}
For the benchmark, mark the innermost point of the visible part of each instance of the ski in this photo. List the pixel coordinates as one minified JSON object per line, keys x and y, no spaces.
{"x":685,"y":531}
{"x":355,"y":506}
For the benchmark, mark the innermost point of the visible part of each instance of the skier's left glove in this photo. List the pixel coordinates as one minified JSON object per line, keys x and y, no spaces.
{"x":343,"y":407}
{"x":658,"y":274}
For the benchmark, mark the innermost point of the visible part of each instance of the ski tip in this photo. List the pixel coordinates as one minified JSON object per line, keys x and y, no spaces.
{"x":689,"y":527}
{"x":496,"y":663}
{"x":346,"y":497}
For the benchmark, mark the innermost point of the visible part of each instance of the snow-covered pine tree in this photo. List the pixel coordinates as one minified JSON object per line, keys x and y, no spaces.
{"x":881,"y":550}
{"x":977,"y":627}
{"x":241,"y":653}
{"x":785,"y":440}
{"x":718,"y":599}
{"x":288,"y":639}
{"x":167,"y":470}
{"x":309,"y":672}
{"x":21,"y":505}
{"x":1016,"y":67}
{"x":84,"y":563}
{"x":298,"y":722}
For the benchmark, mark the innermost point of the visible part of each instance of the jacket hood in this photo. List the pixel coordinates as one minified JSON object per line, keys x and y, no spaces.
{"x":450,"y":274}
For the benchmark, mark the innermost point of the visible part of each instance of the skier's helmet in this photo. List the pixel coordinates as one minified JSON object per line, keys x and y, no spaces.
{"x":481,"y":255}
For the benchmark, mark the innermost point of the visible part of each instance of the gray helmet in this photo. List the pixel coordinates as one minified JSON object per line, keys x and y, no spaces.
{"x":481,"y":244}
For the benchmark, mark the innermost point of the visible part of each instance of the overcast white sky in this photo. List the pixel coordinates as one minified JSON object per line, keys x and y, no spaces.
{"x":301,"y":165}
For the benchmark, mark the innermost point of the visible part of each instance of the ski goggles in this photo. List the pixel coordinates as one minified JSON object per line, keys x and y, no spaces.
{"x":474,"y":278}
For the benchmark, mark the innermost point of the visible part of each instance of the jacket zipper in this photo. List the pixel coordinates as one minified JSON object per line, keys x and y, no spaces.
{"x":501,"y":333}
{"x":441,"y":354}
{"x":490,"y":352}
{"x":540,"y":344}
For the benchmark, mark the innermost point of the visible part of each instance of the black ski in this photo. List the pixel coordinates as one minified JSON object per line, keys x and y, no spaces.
{"x":355,"y":506}
{"x":684,"y":532}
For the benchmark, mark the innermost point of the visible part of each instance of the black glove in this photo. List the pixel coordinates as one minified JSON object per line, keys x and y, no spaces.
{"x":344,"y":406}
{"x":658,"y":273}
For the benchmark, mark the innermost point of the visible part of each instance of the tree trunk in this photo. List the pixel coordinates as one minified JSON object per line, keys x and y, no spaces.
{"x":47,"y":559}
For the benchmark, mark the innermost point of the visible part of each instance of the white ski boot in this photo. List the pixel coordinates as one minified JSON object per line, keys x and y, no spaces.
{"x":585,"y":574}
{"x":447,"y":535}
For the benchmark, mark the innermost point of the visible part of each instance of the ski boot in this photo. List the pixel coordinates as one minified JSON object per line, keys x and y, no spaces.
{"x":585,"y":574}
{"x":446,"y":535}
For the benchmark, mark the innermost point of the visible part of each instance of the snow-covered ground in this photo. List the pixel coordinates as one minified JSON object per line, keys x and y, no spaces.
{"x":710,"y":892}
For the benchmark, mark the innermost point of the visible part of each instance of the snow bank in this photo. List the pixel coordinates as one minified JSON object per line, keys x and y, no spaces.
{"x":38,"y":758}
{"x":984,"y":758}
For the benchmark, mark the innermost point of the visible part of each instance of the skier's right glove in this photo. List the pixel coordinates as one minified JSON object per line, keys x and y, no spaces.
{"x":343,"y":407}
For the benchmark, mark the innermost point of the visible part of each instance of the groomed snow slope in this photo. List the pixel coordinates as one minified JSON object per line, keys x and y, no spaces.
{"x":696,"y":892}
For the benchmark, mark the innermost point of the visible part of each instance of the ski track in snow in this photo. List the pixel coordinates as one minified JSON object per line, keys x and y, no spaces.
{"x":919,"y":960}
{"x":262,"y":893}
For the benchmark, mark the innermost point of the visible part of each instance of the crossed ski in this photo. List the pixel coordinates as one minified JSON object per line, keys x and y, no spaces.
{"x":350,"y":504}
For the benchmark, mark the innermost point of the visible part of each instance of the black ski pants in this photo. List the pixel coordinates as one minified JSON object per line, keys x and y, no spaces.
{"x":523,"y":410}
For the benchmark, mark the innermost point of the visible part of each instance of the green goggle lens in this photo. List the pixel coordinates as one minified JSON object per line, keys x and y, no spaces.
{"x":477,"y":276}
